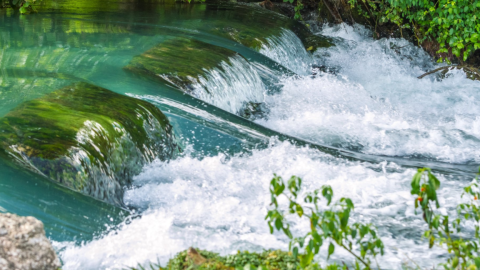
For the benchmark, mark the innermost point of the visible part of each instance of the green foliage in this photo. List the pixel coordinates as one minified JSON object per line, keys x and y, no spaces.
{"x":327,"y":226}
{"x":445,"y":231}
{"x":330,"y":225}
{"x":454,"y":24}
{"x":298,"y":7}
{"x":266,"y":260}
{"x":24,"y":6}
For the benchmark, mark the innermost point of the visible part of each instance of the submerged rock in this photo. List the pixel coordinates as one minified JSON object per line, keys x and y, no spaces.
{"x":180,"y":61}
{"x":211,"y":73}
{"x":253,"y":111}
{"x":87,"y":138}
{"x":24,"y":246}
{"x":252,"y":26}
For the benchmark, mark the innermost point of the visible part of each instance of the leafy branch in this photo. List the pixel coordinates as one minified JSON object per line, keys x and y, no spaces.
{"x":326,"y":226}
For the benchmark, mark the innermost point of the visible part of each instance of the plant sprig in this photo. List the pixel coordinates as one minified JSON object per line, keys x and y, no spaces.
{"x":330,"y":226}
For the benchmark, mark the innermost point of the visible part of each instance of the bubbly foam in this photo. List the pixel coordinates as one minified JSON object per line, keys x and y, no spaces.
{"x":219,"y":203}
{"x":375,"y":103}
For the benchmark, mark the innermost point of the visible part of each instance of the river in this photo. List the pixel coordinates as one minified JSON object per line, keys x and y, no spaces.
{"x":353,"y":116}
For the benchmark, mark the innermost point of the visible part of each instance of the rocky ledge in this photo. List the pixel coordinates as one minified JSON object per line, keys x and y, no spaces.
{"x":24,"y":246}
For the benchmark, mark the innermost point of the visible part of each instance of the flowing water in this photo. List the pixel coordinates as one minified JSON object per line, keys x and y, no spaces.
{"x":353,"y":116}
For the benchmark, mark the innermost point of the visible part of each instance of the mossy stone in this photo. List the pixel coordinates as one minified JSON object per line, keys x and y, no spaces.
{"x":87,"y":138}
{"x":251,"y":26}
{"x":180,"y":61}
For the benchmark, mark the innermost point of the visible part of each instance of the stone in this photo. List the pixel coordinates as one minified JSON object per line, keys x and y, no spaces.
{"x":180,"y":62}
{"x":87,"y":138}
{"x":195,"y":257}
{"x":24,"y":246}
{"x":251,"y":26}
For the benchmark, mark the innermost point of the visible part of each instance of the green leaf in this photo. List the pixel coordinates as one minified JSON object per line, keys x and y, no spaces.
{"x":455,"y":262}
{"x":299,"y":210}
{"x":331,"y":249}
{"x":278,"y":224}
{"x":295,"y":252}
{"x":477,"y":262}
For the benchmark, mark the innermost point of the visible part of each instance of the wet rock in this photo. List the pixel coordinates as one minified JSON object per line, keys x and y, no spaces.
{"x":252,"y":26}
{"x":24,"y":246}
{"x":87,"y":138}
{"x":194,"y":257}
{"x":318,"y":69}
{"x":474,"y":59}
{"x":180,"y":62}
{"x":254,"y":110}
{"x":471,"y":72}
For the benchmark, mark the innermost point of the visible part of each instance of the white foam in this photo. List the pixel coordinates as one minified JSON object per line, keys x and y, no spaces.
{"x":375,"y":104}
{"x":219,"y":204}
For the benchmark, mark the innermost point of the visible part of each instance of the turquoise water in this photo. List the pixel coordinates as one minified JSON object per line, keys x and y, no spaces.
{"x":362,"y":128}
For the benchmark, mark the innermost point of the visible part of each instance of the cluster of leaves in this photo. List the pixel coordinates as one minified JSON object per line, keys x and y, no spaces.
{"x":266,"y":260}
{"x":327,"y":226}
{"x":446,"y":231}
{"x":453,"y":24}
{"x":24,"y":6}
{"x":298,"y":7}
{"x":332,"y":224}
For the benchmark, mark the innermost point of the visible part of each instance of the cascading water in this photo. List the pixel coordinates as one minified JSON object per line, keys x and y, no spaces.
{"x":230,"y":86}
{"x":375,"y":103}
{"x":372,"y":102}
{"x":287,"y":49}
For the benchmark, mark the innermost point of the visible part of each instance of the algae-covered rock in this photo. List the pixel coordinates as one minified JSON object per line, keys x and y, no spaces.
{"x":180,"y":61}
{"x":252,"y":26}
{"x":87,"y":138}
{"x":211,"y":73}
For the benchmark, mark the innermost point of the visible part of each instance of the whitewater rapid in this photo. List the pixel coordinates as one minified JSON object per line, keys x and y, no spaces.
{"x":373,"y":104}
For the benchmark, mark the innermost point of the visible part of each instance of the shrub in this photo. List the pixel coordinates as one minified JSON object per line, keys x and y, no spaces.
{"x":453,"y":24}
{"x":448,"y":27}
{"x":332,"y":225}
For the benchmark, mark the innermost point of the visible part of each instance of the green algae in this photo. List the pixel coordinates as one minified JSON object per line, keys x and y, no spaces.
{"x":251,"y":26}
{"x":87,"y":138}
{"x":180,"y":61}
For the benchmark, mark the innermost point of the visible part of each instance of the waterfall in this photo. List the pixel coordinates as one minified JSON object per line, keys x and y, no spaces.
{"x":287,"y":49}
{"x":230,"y":86}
